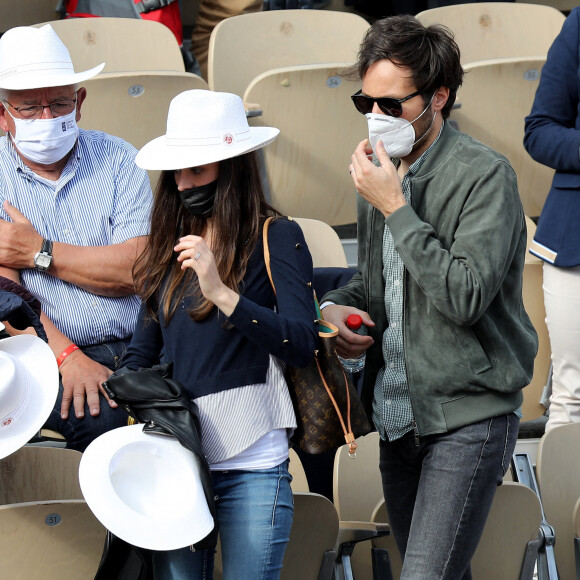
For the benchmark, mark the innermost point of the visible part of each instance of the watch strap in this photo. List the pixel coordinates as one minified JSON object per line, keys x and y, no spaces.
{"x":46,"y":247}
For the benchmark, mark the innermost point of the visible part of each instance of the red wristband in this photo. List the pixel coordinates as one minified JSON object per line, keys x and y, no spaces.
{"x":65,"y":353}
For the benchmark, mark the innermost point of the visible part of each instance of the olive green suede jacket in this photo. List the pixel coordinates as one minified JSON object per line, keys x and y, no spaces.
{"x":469,"y":344}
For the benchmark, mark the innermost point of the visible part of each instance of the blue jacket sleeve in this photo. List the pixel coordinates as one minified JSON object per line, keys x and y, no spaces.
{"x":146,"y":343}
{"x":290,"y":332}
{"x":552,"y":129}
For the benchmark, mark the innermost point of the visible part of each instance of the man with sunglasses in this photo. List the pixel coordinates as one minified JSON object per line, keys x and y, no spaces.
{"x":441,"y":241}
{"x":73,"y":219}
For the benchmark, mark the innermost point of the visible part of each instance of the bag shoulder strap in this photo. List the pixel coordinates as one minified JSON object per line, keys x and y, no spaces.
{"x":267,"y":250}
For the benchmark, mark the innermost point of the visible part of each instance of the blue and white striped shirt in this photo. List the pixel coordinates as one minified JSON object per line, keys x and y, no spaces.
{"x":101,"y":198}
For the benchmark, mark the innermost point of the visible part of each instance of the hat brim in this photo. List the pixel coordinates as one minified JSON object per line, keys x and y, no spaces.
{"x":145,"y":489}
{"x":161,"y":155}
{"x":38,"y":360}
{"x":41,"y":79}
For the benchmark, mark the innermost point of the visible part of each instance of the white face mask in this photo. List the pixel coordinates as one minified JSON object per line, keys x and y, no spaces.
{"x":46,"y":141}
{"x":396,"y":133}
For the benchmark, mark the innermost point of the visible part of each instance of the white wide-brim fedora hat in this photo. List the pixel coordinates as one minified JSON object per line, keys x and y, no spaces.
{"x":145,"y":488}
{"x":35,"y":58}
{"x":28,"y":389}
{"x":203,"y":127}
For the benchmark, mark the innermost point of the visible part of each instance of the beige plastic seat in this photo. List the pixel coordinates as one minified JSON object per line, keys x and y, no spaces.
{"x":513,"y":521}
{"x":534,"y":304}
{"x":244,"y":46}
{"x":47,"y":531}
{"x":486,"y":30}
{"x":307,"y":165}
{"x":134,"y":105}
{"x":50,"y":540}
{"x":310,"y":552}
{"x":34,"y":474}
{"x":123,"y":44}
{"x":558,"y":469}
{"x":357,"y":490}
{"x":296,"y":469}
{"x":27,"y":13}
{"x":493,"y":101}
{"x":323,"y":242}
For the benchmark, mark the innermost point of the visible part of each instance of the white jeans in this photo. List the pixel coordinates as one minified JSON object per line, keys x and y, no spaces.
{"x":562,"y":301}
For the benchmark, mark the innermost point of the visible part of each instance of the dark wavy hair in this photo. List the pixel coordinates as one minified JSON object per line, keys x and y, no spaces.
{"x":239,"y":211}
{"x":431,"y":54}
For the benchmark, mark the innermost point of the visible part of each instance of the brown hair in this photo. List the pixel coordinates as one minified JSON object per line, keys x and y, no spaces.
{"x":239,"y":210}
{"x":431,"y":54}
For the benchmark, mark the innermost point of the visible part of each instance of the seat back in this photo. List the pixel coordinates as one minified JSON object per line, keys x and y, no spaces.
{"x":353,"y":501}
{"x":244,"y":46}
{"x":27,"y":13}
{"x":495,"y":97}
{"x":513,"y":521}
{"x":558,"y":470}
{"x":134,"y":105}
{"x":123,"y":44}
{"x":314,"y":532}
{"x":34,"y":474}
{"x":323,"y":242}
{"x":50,"y":540}
{"x":307,"y":165}
{"x":533,"y":296}
{"x":296,"y":469}
{"x":486,"y":30}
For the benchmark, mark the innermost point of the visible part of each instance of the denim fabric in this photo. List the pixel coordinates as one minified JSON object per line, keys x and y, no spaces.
{"x":254,"y":514}
{"x":439,"y":493}
{"x":80,"y":432}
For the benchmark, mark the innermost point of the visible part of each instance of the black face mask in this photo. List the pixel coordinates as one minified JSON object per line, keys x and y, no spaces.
{"x":199,"y":200}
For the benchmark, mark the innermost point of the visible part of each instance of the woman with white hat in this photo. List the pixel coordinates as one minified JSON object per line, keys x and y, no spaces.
{"x":209,"y":308}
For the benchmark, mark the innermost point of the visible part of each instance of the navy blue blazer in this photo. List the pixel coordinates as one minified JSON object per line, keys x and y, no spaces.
{"x":552,"y":137}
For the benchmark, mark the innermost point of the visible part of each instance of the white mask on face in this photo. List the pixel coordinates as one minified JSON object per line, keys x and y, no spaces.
{"x":46,"y":141}
{"x":396,"y":133}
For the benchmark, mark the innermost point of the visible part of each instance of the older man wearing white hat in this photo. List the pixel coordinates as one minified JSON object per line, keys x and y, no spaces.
{"x":74,"y":218}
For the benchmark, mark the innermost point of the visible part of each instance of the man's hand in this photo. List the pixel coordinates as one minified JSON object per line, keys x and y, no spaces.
{"x":19,"y":241}
{"x":380,"y":186}
{"x":348,"y":343}
{"x":82,"y":378}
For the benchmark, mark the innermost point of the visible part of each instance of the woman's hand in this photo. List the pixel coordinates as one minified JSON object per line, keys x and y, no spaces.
{"x":195,"y":254}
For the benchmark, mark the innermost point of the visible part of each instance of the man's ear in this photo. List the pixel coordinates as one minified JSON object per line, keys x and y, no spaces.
{"x":3,"y":120}
{"x":440,"y":98}
{"x":81,"y":96}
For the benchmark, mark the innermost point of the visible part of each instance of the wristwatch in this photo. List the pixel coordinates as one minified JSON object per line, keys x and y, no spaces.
{"x":43,"y":259}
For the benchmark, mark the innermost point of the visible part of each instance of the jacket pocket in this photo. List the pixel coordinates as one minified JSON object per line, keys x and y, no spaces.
{"x":473,"y":351}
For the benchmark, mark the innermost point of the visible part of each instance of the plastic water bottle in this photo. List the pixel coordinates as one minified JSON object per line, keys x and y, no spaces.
{"x":355,"y":365}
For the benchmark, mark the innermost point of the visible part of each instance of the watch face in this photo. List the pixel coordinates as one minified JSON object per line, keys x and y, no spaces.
{"x":42,"y":261}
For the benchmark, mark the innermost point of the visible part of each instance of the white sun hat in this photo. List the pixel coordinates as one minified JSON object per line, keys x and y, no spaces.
{"x":34,"y":58}
{"x":203,"y":127}
{"x":145,"y":488}
{"x":28,"y":389}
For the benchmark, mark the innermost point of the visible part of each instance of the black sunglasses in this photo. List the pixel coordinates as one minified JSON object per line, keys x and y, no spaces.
{"x":388,"y":105}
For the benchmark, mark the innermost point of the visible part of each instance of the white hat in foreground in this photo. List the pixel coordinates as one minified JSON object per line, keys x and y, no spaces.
{"x":203,"y":127}
{"x":145,"y":488}
{"x":35,"y":58}
{"x":28,"y":389}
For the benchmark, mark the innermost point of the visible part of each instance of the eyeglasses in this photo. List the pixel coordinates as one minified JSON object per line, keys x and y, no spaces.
{"x":58,"y":109}
{"x":388,"y":105}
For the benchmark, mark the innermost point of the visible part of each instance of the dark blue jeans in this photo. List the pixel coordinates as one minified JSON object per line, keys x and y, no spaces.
{"x":254,"y":516}
{"x":439,"y":493}
{"x":80,"y":432}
